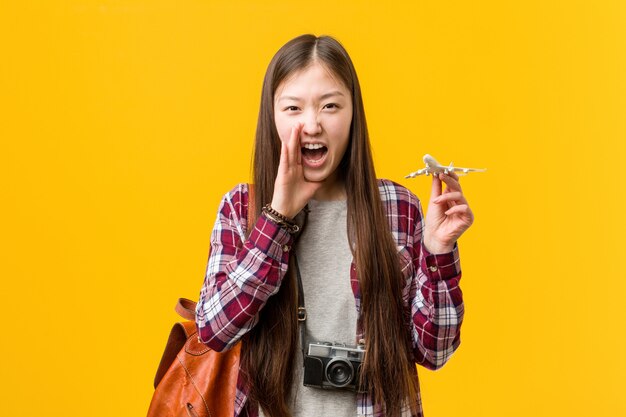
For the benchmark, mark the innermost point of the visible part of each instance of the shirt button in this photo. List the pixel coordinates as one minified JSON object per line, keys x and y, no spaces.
{"x":433,"y":268}
{"x":361,"y":341}
{"x":286,"y":248}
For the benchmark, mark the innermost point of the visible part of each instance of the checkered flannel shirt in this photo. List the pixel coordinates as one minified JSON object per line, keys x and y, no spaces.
{"x":243,"y":273}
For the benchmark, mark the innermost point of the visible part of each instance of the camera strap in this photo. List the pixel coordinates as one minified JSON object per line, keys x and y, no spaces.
{"x":301,"y":308}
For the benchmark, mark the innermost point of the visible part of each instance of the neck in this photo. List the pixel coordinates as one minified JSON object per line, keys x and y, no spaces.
{"x":334,"y":189}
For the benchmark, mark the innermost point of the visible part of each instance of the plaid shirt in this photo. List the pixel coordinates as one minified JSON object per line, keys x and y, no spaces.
{"x":242,"y":274}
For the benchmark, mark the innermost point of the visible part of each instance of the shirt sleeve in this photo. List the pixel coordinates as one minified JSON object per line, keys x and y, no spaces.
{"x":241,"y":273}
{"x":436,"y":300}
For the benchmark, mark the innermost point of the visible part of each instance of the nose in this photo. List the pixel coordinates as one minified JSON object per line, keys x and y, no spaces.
{"x":312,"y":124}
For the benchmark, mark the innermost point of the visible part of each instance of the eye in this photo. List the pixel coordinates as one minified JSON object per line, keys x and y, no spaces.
{"x":334,"y":105}
{"x":291,"y":108}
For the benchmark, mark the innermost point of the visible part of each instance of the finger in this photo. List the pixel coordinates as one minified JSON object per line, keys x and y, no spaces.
{"x":458,"y":209}
{"x":291,"y":145}
{"x":436,"y":187}
{"x":445,"y":190}
{"x":450,"y":182}
{"x":299,"y":146}
{"x":452,"y":196}
{"x":284,"y":155}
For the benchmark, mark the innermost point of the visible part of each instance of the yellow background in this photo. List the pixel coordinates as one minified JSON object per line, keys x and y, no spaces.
{"x":124,"y":122}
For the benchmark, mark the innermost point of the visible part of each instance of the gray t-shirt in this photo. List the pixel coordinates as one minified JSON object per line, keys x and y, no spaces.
{"x":324,"y":258}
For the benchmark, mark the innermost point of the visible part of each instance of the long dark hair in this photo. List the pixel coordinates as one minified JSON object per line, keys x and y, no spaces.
{"x":269,"y":349}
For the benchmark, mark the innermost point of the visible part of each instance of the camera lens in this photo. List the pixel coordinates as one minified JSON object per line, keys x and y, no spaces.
{"x":339,"y":372}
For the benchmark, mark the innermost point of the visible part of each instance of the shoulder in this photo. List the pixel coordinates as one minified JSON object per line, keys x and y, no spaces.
{"x":403,"y":210}
{"x":393,"y":193}
{"x":238,"y":194}
{"x":236,"y":200}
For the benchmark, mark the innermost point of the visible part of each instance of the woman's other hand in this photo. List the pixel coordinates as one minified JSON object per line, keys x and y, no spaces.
{"x":448,"y":214}
{"x":291,"y":190}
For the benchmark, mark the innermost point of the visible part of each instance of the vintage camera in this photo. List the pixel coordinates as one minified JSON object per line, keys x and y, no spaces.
{"x":333,"y":365}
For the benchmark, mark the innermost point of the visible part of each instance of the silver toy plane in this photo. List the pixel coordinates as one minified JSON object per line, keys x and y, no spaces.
{"x":432,"y":167}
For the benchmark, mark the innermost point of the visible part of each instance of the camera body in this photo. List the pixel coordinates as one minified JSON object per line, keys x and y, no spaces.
{"x":333,"y":365}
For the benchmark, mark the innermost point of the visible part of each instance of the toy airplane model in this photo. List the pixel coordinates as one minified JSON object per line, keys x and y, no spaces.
{"x":434,"y":167}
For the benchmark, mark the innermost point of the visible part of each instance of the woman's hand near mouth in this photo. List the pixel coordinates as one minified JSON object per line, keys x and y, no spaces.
{"x":291,"y":190}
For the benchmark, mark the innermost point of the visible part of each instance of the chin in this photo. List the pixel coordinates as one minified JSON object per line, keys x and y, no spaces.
{"x":315,"y":177}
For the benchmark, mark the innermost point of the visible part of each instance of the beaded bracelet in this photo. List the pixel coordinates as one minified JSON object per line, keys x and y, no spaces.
{"x":281,"y":219}
{"x":268,"y":209}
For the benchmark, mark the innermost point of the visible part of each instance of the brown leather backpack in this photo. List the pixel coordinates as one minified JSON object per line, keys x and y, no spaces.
{"x":192,"y":380}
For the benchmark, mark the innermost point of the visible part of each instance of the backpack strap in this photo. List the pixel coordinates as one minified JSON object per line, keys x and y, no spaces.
{"x":186,"y":309}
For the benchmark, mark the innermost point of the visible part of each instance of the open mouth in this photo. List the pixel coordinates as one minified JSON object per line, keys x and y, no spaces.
{"x":314,"y":154}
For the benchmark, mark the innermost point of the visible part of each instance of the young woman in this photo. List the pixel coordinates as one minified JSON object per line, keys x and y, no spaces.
{"x":376,"y":276}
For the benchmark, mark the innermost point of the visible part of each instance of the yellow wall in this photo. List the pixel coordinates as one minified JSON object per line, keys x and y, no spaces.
{"x":123,"y":123}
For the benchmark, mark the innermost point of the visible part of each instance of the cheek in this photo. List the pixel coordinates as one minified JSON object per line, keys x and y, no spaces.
{"x":283,"y":129}
{"x":341,"y":129}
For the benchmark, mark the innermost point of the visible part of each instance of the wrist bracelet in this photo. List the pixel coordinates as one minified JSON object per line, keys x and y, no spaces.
{"x":291,"y":228}
{"x":280,"y":219}
{"x":268,"y":208}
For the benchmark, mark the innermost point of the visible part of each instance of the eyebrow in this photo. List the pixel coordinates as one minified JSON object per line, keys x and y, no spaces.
{"x":322,"y":97}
